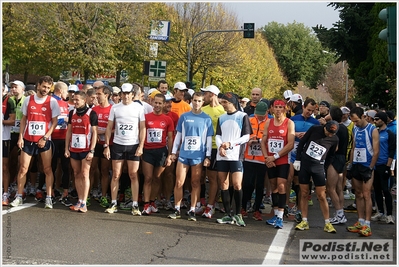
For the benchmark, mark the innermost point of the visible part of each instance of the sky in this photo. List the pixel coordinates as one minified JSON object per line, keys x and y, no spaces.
{"x":263,"y":12}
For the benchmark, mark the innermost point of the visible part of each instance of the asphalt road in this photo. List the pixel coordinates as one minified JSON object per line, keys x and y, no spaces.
{"x":33,"y":235}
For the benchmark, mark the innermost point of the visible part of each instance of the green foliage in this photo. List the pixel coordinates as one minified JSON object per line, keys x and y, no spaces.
{"x":355,"y":39}
{"x":299,"y":53}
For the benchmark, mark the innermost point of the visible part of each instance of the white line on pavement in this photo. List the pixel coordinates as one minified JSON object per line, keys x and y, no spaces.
{"x":12,"y":209}
{"x":277,"y":247}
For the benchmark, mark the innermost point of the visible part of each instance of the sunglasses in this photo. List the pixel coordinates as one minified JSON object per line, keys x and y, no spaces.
{"x":376,"y":119}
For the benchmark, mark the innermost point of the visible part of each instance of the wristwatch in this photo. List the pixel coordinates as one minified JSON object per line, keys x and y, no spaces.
{"x":91,"y":151}
{"x":105,"y":146}
{"x":44,"y":138}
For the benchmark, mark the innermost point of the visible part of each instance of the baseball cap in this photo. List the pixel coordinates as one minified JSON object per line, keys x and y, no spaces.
{"x":191,"y":92}
{"x":381,"y":115}
{"x":73,"y":88}
{"x":154,"y":93}
{"x":345,"y":110}
{"x":151,"y":90}
{"x":116,"y":90}
{"x":168,"y":97}
{"x":245,"y":99}
{"x":18,"y":83}
{"x":287,"y":94}
{"x":324,"y":103}
{"x":180,"y":86}
{"x":296,"y":98}
{"x":261,"y":108}
{"x":127,"y":88}
{"x":332,"y":126}
{"x":212,"y":88}
{"x":371,"y":113}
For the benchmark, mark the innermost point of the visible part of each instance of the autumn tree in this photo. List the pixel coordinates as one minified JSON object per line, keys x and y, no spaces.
{"x":299,"y":53}
{"x":355,"y":39}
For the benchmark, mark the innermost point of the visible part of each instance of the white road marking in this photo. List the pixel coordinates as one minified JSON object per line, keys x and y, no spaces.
{"x":277,"y":247}
{"x":10,"y":209}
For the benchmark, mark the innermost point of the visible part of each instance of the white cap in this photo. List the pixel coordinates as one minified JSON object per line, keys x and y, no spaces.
{"x":345,"y":110}
{"x":168,"y":97}
{"x":296,"y":98}
{"x":116,"y":90}
{"x":180,"y":86}
{"x":73,"y":88}
{"x":287,"y":94}
{"x":19,"y":83}
{"x":191,"y":92}
{"x":211,"y":88}
{"x":127,"y":87}
{"x":245,"y":99}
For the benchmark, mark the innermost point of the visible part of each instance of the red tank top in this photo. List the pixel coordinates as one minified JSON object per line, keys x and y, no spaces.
{"x":5,"y":101}
{"x":38,"y":119}
{"x":59,"y":132}
{"x":81,"y":132}
{"x":103,"y":114}
{"x":277,"y":139}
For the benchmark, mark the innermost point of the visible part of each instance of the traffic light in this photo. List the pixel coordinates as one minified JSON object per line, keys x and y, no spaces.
{"x":389,"y":33}
{"x":249,"y":30}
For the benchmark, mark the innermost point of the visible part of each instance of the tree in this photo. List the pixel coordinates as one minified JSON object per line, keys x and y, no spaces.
{"x":355,"y":39}
{"x":298,"y":52}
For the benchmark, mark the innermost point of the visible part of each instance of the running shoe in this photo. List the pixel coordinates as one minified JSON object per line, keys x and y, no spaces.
{"x":338,"y":219}
{"x":76,"y":206}
{"x":175,"y":215}
{"x":389,"y":219}
{"x":279,"y":223}
{"x":244,"y":214}
{"x":127,"y":205}
{"x":350,"y":208}
{"x":94,"y":194}
{"x":147,"y":209}
{"x":298,"y":216}
{"x":17,"y":201}
{"x":365,"y":230}
{"x":257,"y":216}
{"x":83,"y":208}
{"x":104,"y":202}
{"x":329,"y":228}
{"x":225,"y":220}
{"x":302,"y":226}
{"x":169,"y":206}
{"x":286,"y":211}
{"x":267,"y":200}
{"x":293,"y":210}
{"x":38,"y":195}
{"x":377,"y":217}
{"x":355,"y":228}
{"x":238,"y":220}
{"x":112,"y":209}
{"x":5,"y":200}
{"x":272,"y":221}
{"x":66,"y":202}
{"x":159,"y":204}
{"x":191,"y":216}
{"x":32,"y":191}
{"x":310,"y":202}
{"x":153,"y":207}
{"x":199,"y":210}
{"x":49,"y":203}
{"x":136,"y":211}
{"x":208,"y":212}
{"x":261,"y":206}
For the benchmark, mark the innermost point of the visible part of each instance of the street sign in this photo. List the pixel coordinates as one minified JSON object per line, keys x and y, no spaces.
{"x":157,"y":69}
{"x":159,"y":30}
{"x":123,"y":73}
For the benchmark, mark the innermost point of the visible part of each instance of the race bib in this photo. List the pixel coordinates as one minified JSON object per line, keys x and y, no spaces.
{"x":315,"y":151}
{"x":16,"y":126}
{"x":78,"y":141}
{"x":192,"y":143}
{"x":255,"y":150}
{"x":359,"y":155}
{"x":37,"y":128}
{"x":154,"y":135}
{"x":125,"y":129}
{"x":101,"y":137}
{"x":275,"y":145}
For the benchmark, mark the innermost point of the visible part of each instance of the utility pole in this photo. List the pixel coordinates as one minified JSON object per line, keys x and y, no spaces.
{"x":190,"y":44}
